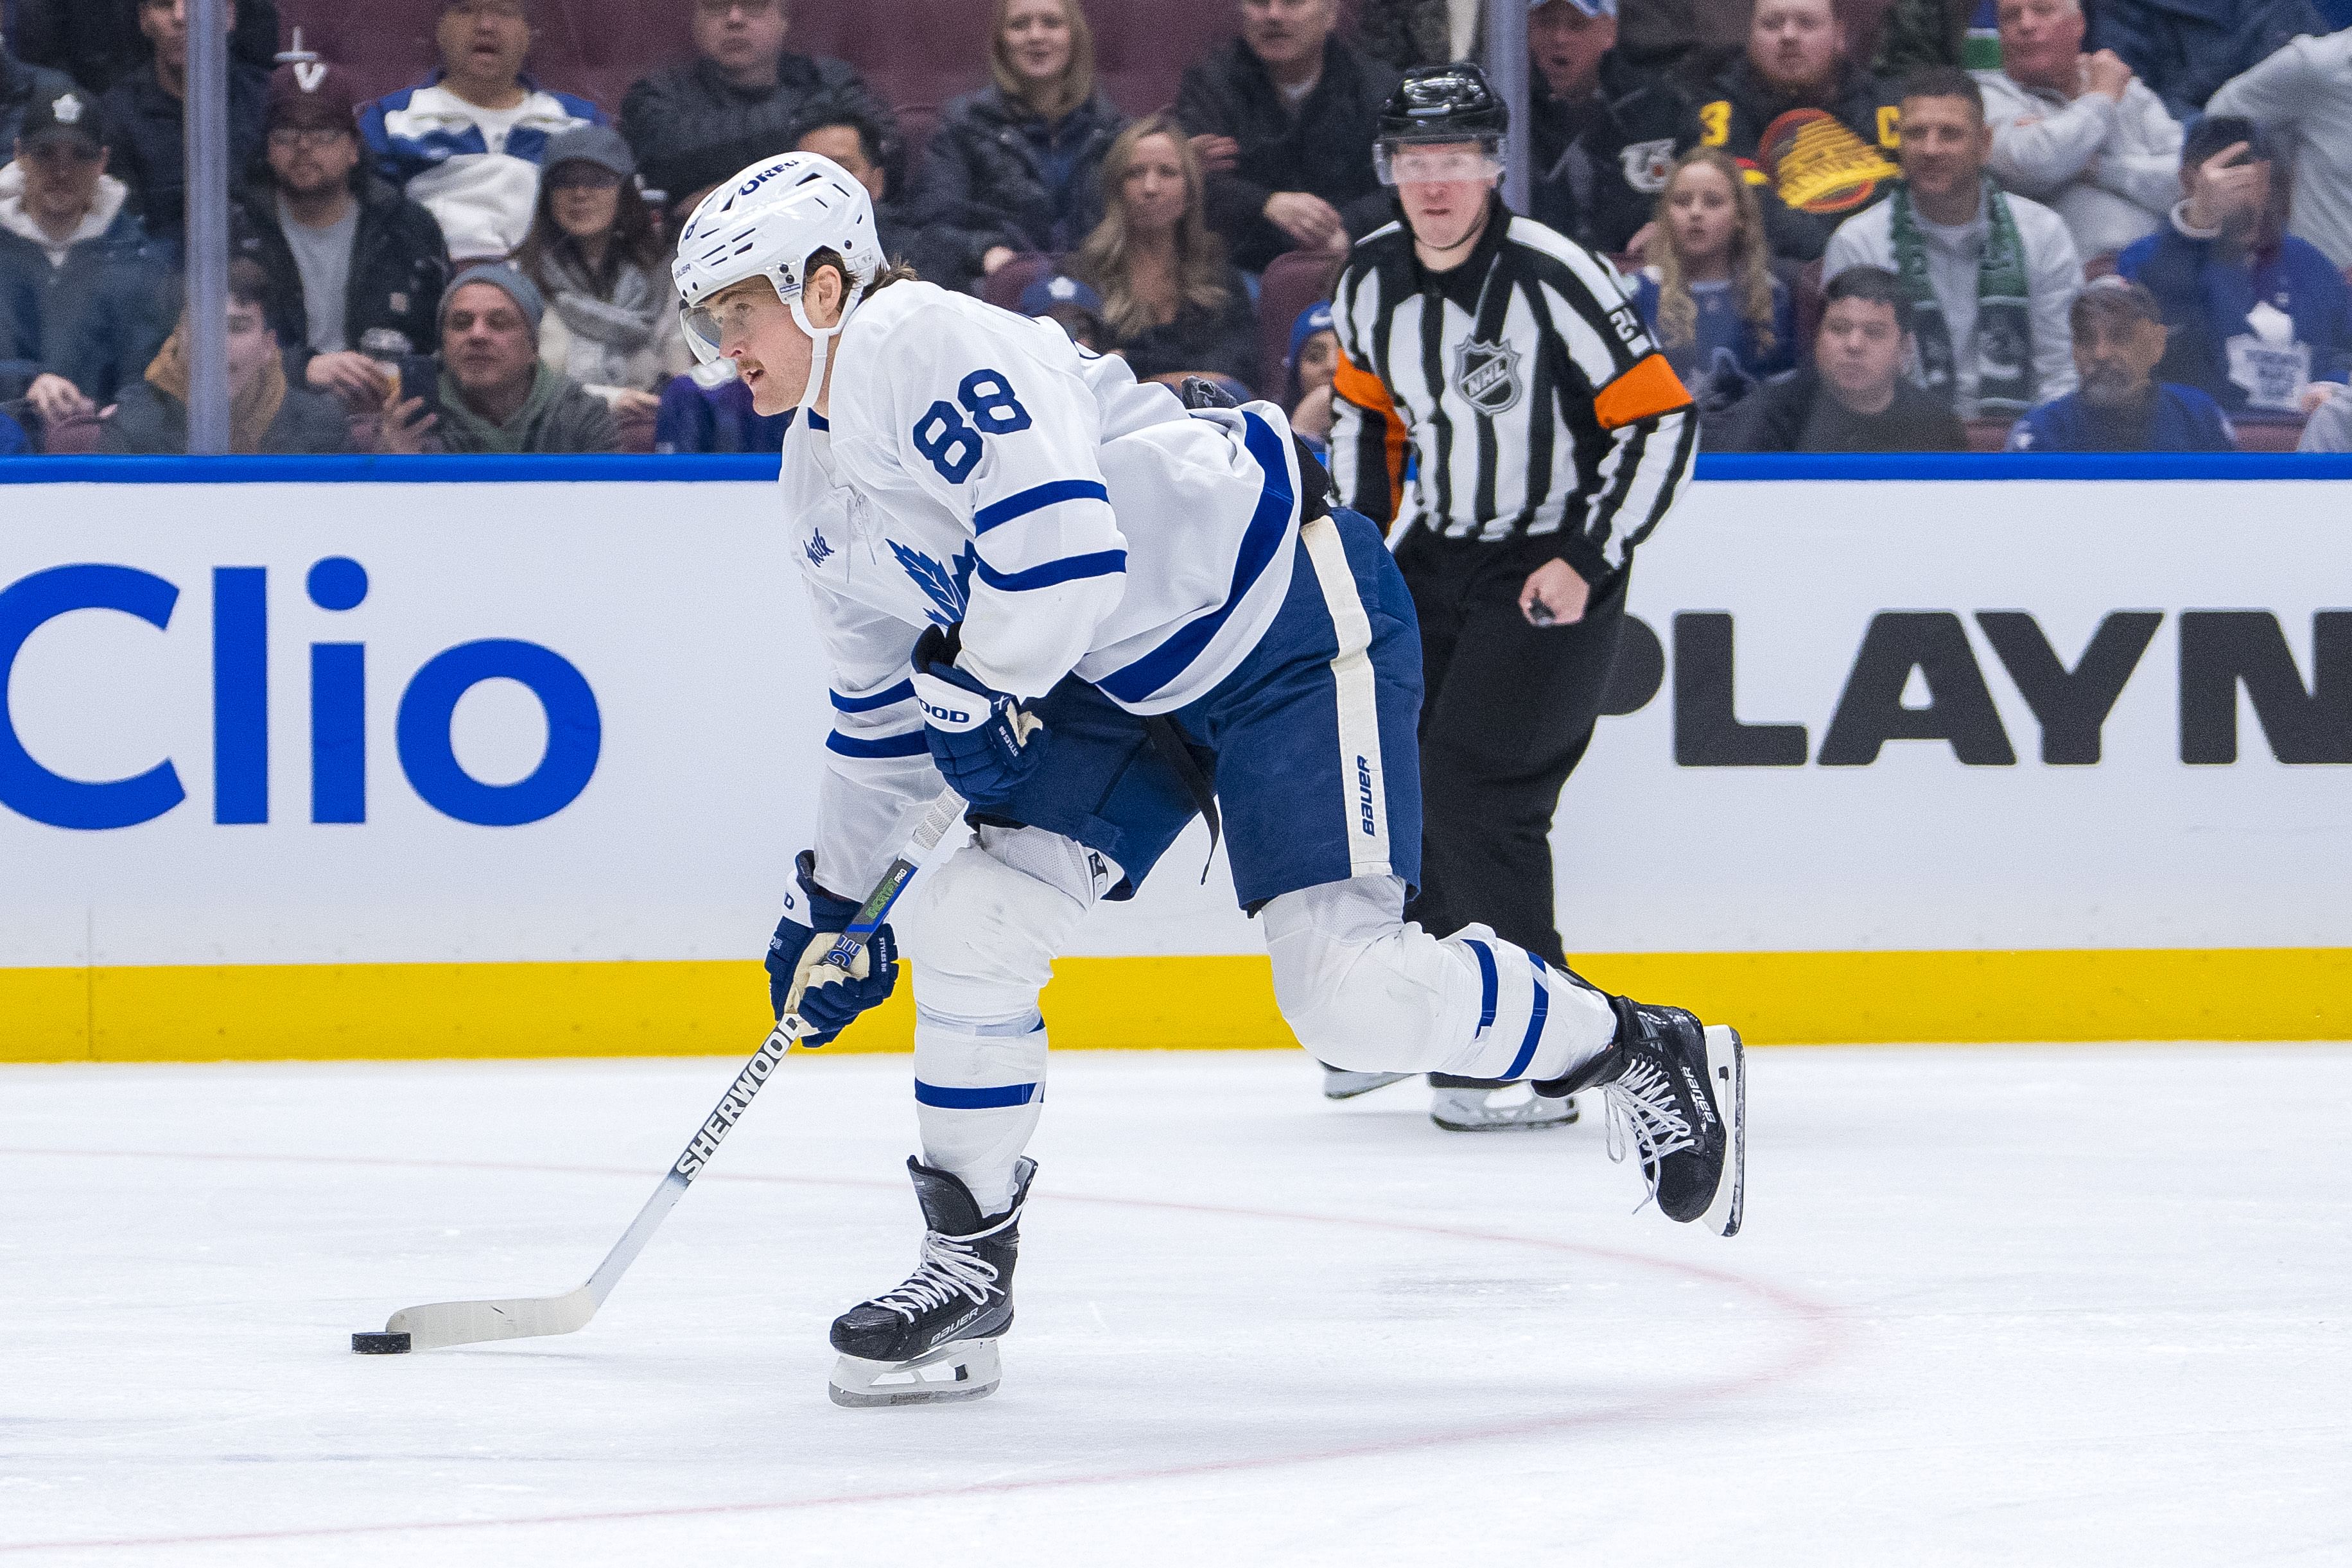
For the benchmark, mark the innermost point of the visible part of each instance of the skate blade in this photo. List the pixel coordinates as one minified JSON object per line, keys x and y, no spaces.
{"x":968,"y":1368}
{"x":1339,"y":1084}
{"x":1727,"y":1068}
{"x":1524,"y":1123}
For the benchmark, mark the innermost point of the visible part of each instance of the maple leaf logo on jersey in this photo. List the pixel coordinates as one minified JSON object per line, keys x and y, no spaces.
{"x":944,"y":589}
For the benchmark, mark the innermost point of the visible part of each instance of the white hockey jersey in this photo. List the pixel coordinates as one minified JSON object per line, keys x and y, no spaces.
{"x":976,"y":466}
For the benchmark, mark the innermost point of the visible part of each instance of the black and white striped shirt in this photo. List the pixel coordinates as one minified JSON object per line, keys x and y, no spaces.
{"x":1526,"y":385}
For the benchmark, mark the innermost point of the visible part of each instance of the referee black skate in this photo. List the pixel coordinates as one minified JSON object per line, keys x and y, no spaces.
{"x":1550,"y":437}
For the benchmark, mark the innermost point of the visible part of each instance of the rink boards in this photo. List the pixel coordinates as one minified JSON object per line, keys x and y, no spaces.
{"x":511,"y":757}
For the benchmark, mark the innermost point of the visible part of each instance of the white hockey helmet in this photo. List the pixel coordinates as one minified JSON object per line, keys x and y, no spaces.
{"x":766,"y":222}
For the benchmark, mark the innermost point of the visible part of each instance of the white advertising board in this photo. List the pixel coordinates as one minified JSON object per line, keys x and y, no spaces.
{"x":204,"y":764}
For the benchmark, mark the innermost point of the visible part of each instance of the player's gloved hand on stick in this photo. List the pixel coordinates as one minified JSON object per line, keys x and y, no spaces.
{"x":813,"y":919}
{"x":981,"y":740}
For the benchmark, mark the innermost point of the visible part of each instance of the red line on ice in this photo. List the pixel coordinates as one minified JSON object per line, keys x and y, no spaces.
{"x":1825,"y":1337}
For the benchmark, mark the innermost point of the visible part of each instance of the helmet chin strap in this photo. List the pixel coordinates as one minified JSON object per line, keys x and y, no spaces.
{"x":821,"y":342}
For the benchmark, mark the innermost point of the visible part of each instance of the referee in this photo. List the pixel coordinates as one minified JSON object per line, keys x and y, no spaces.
{"x":1549,"y":438}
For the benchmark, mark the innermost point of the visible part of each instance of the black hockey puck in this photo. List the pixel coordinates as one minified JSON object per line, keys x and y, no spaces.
{"x":379,"y":1344}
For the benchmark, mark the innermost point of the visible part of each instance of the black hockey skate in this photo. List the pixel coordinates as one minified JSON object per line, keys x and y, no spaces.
{"x":1677,"y":1091}
{"x":934,"y":1338}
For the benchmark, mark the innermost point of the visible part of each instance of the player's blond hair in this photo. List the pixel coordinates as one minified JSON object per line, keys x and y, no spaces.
{"x":1752,"y":277}
{"x":1078,"y":83}
{"x":1103,"y":260}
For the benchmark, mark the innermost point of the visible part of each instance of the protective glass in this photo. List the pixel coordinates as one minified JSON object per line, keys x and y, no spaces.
{"x":708,"y":328}
{"x":1406,"y":163}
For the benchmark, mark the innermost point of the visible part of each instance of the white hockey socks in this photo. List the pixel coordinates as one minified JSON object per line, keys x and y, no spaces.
{"x":979,"y":1090}
{"x":982,"y":939}
{"x":1364,"y":990}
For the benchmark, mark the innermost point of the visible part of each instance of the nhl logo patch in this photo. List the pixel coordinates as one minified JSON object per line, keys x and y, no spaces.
{"x":1487,"y":376}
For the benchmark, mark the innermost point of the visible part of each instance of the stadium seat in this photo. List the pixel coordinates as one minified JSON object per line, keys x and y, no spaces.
{"x":2267,"y":435}
{"x":916,"y":122}
{"x":1865,"y":24}
{"x":912,"y":51}
{"x":1810,"y":302}
{"x":1295,"y":279}
{"x":72,"y":438}
{"x":2100,"y":265}
{"x":1141,"y":51}
{"x":1004,"y":287}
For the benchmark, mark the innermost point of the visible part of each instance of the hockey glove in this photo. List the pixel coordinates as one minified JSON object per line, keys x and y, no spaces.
{"x":981,"y":740}
{"x":826,"y":1001}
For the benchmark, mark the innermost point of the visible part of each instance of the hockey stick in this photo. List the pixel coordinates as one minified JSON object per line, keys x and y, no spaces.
{"x":443,"y":1323}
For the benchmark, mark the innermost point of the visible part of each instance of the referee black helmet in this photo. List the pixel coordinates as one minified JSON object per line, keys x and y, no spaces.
{"x":1444,"y":103}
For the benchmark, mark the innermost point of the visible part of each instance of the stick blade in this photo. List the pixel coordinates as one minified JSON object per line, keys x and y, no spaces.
{"x":444,"y":1324}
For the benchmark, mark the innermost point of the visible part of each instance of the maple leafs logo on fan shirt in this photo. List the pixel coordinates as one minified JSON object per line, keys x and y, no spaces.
{"x":945,"y":590}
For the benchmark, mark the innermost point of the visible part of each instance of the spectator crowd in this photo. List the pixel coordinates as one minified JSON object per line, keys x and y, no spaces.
{"x":1851,"y":225}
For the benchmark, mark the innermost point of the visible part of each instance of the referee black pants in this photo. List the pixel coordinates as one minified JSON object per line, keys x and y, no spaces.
{"x":1508,"y":711}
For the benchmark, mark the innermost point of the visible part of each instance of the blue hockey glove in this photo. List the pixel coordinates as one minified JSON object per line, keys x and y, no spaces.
{"x":985,"y":743}
{"x":812,"y":919}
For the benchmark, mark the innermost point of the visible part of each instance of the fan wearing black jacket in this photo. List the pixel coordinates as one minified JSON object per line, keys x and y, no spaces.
{"x":98,"y":42}
{"x":344,"y":254}
{"x":736,"y":103}
{"x":1282,"y":118}
{"x":1028,"y":148}
{"x":1604,"y":133}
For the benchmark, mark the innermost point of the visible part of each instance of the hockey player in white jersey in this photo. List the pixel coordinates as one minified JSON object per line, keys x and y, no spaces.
{"x":1097,"y":613}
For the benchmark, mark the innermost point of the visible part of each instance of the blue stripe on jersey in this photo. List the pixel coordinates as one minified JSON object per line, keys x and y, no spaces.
{"x":1535,"y":1021}
{"x":902,"y":692}
{"x":1069,"y":569}
{"x":912,"y":745}
{"x":1037,"y":498}
{"x":1486,"y":983}
{"x":997,"y":1099}
{"x":1268,"y":526}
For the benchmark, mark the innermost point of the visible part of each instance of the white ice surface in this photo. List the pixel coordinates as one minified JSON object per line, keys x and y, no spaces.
{"x":2078,"y":1305}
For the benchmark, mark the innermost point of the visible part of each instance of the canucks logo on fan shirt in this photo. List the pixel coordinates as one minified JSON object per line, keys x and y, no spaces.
{"x":945,"y":589}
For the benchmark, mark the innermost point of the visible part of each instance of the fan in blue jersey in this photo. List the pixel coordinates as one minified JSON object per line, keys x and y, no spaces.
{"x":1097,"y":613}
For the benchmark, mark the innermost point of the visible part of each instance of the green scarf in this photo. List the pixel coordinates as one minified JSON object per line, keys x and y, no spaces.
{"x":2004,"y":319}
{"x":462,"y":430}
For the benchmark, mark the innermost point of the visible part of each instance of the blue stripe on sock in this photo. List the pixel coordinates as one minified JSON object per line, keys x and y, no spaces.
{"x":1535,"y":1021}
{"x":998,"y":1098}
{"x":902,"y":692}
{"x":1486,"y":983}
{"x":912,"y":745}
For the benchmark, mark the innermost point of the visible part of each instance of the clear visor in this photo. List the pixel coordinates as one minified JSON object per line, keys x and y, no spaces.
{"x":707,"y":327}
{"x":1404,"y":163}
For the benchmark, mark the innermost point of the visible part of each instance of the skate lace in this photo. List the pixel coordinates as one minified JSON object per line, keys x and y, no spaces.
{"x":950,"y":1268}
{"x":1643,"y":1113}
